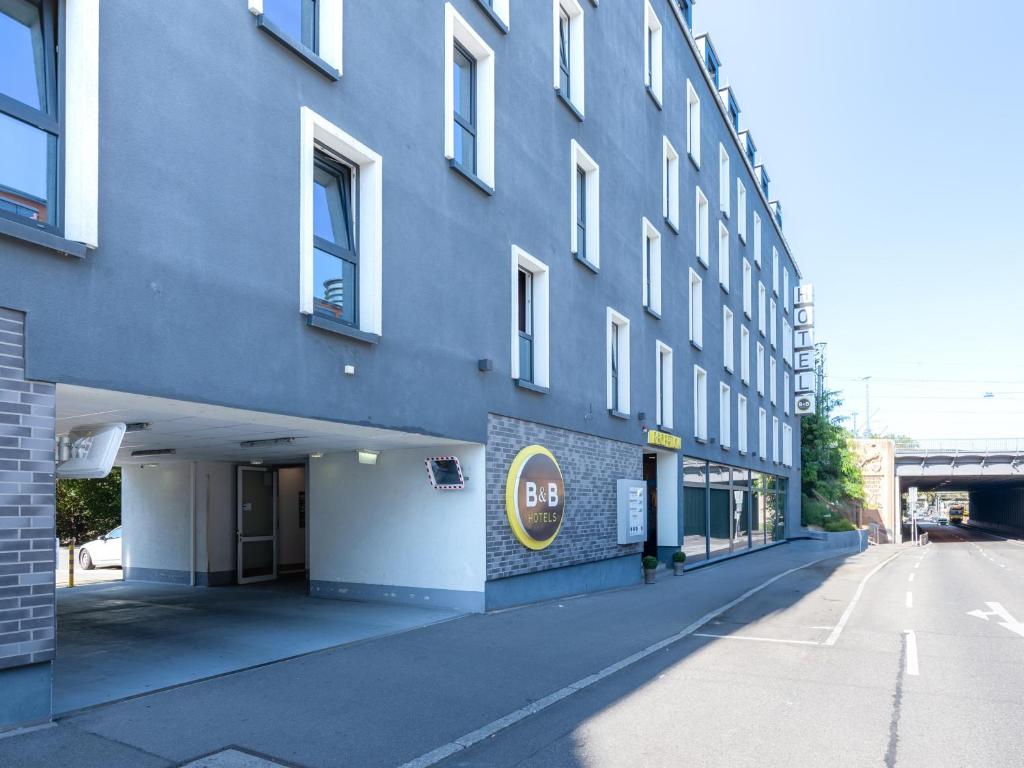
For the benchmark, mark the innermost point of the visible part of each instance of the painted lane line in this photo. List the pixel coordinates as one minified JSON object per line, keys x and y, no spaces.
{"x":435,"y":756}
{"x":917,"y":565}
{"x":758,"y":639}
{"x":910,"y":577}
{"x":910,"y":599}
{"x":911,"y":638}
{"x":837,"y":630}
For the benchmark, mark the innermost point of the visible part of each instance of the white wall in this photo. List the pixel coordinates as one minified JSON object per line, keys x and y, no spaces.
{"x":668,"y":500}
{"x":385,"y":524}
{"x":215,"y":516}
{"x":156,"y":516}
{"x":291,"y":541}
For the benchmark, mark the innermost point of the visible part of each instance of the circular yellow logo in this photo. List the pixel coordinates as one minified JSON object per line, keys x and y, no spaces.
{"x":535,"y":497}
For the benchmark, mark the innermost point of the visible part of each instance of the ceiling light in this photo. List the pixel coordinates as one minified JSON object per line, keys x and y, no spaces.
{"x":367,"y":457}
{"x":255,"y":462}
{"x":154,"y":452}
{"x":270,"y":441}
{"x":316,"y":455}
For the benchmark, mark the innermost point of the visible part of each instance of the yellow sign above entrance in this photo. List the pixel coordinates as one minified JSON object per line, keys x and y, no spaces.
{"x":664,"y":439}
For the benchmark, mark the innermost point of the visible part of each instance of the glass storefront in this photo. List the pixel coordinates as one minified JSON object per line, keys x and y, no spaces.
{"x":695,"y":517}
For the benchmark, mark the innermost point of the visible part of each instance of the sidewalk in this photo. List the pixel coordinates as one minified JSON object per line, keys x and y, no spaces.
{"x":385,"y":702}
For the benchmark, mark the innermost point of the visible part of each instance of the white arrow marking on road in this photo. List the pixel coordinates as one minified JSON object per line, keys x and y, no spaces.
{"x":910,"y":599}
{"x":912,"y":668}
{"x":997,"y":609}
{"x":910,"y":578}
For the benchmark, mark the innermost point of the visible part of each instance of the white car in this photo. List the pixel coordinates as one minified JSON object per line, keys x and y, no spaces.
{"x":102,"y":552}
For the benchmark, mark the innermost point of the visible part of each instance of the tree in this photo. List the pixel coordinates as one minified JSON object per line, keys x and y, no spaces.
{"x":88,"y":508}
{"x":830,"y":472}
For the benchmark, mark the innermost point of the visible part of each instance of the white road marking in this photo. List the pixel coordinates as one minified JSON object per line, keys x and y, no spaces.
{"x":997,"y":609}
{"x":837,"y":630}
{"x":434,"y":756}
{"x":910,"y":577}
{"x":910,"y":599}
{"x":912,"y":667}
{"x":758,"y":639}
{"x":917,"y":565}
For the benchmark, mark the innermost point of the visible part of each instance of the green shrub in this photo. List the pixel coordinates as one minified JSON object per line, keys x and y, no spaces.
{"x":837,"y":524}
{"x":650,"y":562}
{"x":814,"y":512}
{"x":679,"y":557}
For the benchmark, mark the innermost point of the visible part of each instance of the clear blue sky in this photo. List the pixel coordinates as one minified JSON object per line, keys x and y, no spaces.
{"x":893,"y":131}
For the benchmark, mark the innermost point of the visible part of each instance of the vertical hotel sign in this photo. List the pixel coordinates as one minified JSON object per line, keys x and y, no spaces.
{"x":803,"y":349}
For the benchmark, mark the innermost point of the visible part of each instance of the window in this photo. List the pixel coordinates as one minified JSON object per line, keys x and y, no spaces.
{"x":663,"y":385}
{"x":723,"y":178}
{"x":749,"y":148}
{"x":692,"y":123}
{"x":696,"y":310}
{"x":775,"y":270}
{"x":39,"y":191}
{"x":618,"y":363}
{"x":773,"y":322}
{"x":652,"y":52}
{"x":728,"y":332}
{"x":775,"y":439}
{"x":785,"y":393}
{"x":762,"y":299}
{"x":733,"y":108}
{"x":585,"y":217}
{"x":685,"y":8}
{"x":724,"y":416}
{"x":313,"y":28}
{"x":670,"y":184}
{"x":651,"y":268}
{"x":762,"y":179}
{"x":569,"y":67}
{"x":741,"y":423}
{"x":340,"y":241}
{"x":711,"y":61}
{"x":762,"y":433}
{"x":786,"y":297}
{"x":723,"y":255}
{"x":498,"y":11}
{"x":530,"y":312}
{"x":757,"y":239}
{"x":773,"y":378}
{"x":776,"y":208}
{"x":760,"y":368}
{"x":787,"y":343}
{"x":744,"y":354}
{"x":741,"y":210}
{"x":748,"y":299}
{"x":469,"y":101}
{"x":701,"y":228}
{"x":787,"y":445}
{"x":700,"y":403}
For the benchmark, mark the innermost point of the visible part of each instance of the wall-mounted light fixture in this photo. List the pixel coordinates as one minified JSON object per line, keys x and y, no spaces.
{"x":316,"y":455}
{"x":367,"y":457}
{"x":255,"y":462}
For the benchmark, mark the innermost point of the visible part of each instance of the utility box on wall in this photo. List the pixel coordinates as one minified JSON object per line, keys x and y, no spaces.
{"x":632,"y":508}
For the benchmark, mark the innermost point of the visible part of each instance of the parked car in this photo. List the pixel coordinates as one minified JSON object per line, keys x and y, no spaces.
{"x":103,"y":552}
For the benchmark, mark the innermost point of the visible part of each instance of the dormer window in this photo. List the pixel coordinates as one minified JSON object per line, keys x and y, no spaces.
{"x":776,"y":207}
{"x":731,"y":106}
{"x":762,"y":179}
{"x":711,"y":61}
{"x":749,"y":148}
{"x":686,"y":11}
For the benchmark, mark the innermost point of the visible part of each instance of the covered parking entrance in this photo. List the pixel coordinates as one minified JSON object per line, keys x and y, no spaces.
{"x":235,"y":527}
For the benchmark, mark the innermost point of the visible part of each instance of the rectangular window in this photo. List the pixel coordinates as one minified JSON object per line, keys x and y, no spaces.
{"x":724,"y":416}
{"x":530,"y":312}
{"x":696,"y":310}
{"x":670,"y":184}
{"x":651,"y":268}
{"x":773,"y":322}
{"x":787,"y":343}
{"x":762,"y":310}
{"x":728,"y":332}
{"x":757,"y":239}
{"x":685,"y":11}
{"x":700,"y":403}
{"x":762,"y":433}
{"x":785,"y":393}
{"x":569,"y":68}
{"x":723,"y":178}
{"x":773,"y":379}
{"x":760,"y":369}
{"x":313,"y":25}
{"x":295,"y":18}
{"x":741,"y":423}
{"x":775,"y":439}
{"x":785,"y":291}
{"x":741,"y":210}
{"x":652,"y":52}
{"x":618,"y":363}
{"x":723,"y":255}
{"x":748,"y":298}
{"x":692,"y":123}
{"x":335,"y":252}
{"x":787,"y":445}
{"x":663,"y":385}
{"x":701,"y":228}
{"x":775,"y":270}
{"x":585,"y":215}
{"x":744,"y":354}
{"x":469,"y":100}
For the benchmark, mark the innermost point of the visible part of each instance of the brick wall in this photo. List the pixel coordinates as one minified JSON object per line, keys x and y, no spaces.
{"x":27,"y":414}
{"x":590,"y":466}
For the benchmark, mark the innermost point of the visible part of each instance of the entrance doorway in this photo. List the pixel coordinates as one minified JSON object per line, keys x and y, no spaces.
{"x":651,"y":477}
{"x":257,"y":524}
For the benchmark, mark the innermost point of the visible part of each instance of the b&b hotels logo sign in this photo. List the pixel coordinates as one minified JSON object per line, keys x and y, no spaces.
{"x":535,"y":497}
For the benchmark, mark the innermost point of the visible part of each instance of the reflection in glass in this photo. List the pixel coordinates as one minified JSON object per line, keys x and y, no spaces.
{"x":464,"y":86}
{"x":27,"y":160}
{"x":721,"y":509}
{"x":695,"y":521}
{"x":23,"y":72}
{"x":296,"y":18}
{"x":334,"y":287}
{"x":740,"y":509}
{"x":257,"y":558}
{"x":335,"y":259}
{"x":757,"y":520}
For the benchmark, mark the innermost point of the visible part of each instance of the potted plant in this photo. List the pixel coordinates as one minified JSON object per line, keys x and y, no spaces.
{"x":678,"y":558}
{"x":650,"y":566}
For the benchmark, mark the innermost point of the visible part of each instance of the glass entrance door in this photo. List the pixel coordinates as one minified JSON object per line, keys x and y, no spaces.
{"x":257,"y":524}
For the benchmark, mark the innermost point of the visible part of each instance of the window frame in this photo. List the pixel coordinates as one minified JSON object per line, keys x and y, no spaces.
{"x":579,"y":159}
{"x":775,"y":270}
{"x":724,"y":180}
{"x":745,"y":354}
{"x":757,"y":239}
{"x":692,"y":124}
{"x":759,"y":353}
{"x":775,"y":439}
{"x":617,"y":348}
{"x":576,"y":66}
{"x":700,"y":404}
{"x":701,"y":228}
{"x":785,"y":392}
{"x":339,"y":168}
{"x":724,"y":415}
{"x":696,"y":309}
{"x":458,"y":32}
{"x":540,"y":331}
{"x":741,"y":210}
{"x":762,"y":439}
{"x":670,"y":184}
{"x":651,"y":258}
{"x":762,"y":309}
{"x":773,"y":323}
{"x":326,"y":53}
{"x":723,"y":256}
{"x":741,"y":423}
{"x":787,"y":445}
{"x":728,"y":342}
{"x":773,"y":380}
{"x":663,"y":385}
{"x":748,"y":289}
{"x":653,"y":53}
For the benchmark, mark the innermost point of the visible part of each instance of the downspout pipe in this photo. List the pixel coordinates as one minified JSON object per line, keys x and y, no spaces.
{"x":192,"y":516}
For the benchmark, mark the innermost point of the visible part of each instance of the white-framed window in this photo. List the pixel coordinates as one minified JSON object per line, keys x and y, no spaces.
{"x":670,"y":183}
{"x":786,"y":297}
{"x":760,"y":368}
{"x":757,"y":239}
{"x":723,"y":255}
{"x":530,"y":319}
{"x":723,"y":178}
{"x":652,"y":52}
{"x":340,"y":258}
{"x":700,"y":403}
{"x":785,"y":393}
{"x":500,"y":8}
{"x":762,"y":309}
{"x":724,"y":415}
{"x":701,"y":233}
{"x":585,"y":206}
{"x":692,"y":123}
{"x":744,"y":354}
{"x":316,"y":26}
{"x":775,"y":270}
{"x":773,"y":322}
{"x":728,"y":333}
{"x":787,"y":445}
{"x":741,"y":423}
{"x":468,"y":98}
{"x":568,"y":48}
{"x":663,"y":385}
{"x":762,"y":433}
{"x":748,"y":289}
{"x":741,"y":210}
{"x":651,"y":267}
{"x":618,"y":362}
{"x":773,"y":379}
{"x":775,"y":439}
{"x":696,"y":310}
{"x":787,"y":343}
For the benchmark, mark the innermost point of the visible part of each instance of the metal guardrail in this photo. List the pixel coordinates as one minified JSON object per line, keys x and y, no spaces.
{"x":961,"y":445}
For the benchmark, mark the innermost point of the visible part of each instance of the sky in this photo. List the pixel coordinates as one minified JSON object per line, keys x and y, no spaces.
{"x":892,"y":132}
